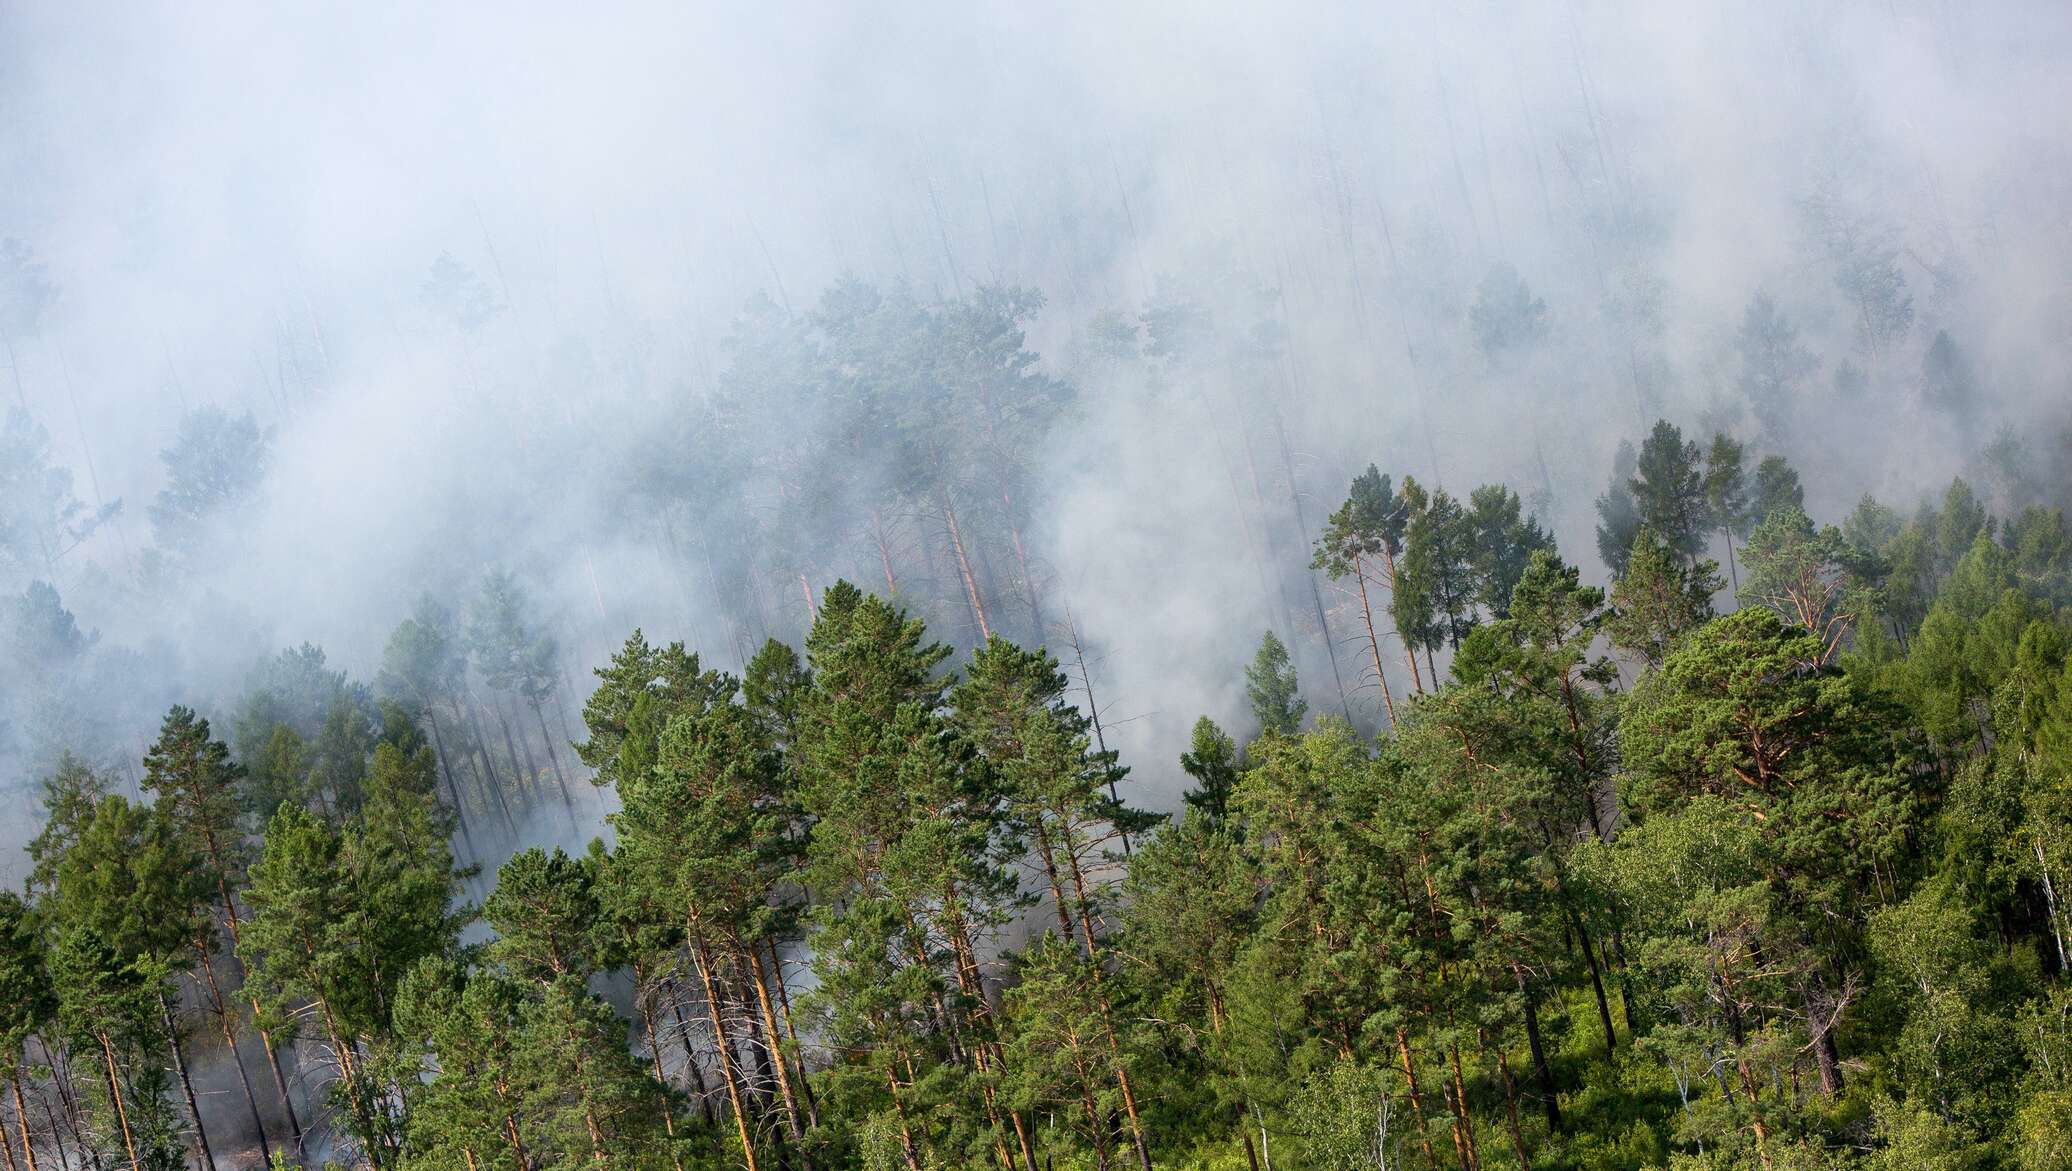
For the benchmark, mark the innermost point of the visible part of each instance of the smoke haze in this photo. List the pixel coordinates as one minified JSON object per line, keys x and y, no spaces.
{"x":475,"y":270}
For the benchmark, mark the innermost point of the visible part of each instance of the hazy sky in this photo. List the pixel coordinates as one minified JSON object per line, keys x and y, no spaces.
{"x":240,"y":204}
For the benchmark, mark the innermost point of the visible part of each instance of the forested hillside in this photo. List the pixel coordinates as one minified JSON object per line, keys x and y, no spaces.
{"x":915,"y":585}
{"x":1619,"y":881}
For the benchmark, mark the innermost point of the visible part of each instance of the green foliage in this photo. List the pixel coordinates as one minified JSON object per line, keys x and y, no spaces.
{"x":1270,"y":685}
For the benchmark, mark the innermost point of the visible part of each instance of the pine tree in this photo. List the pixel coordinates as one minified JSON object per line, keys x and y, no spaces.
{"x":1773,"y":365}
{"x":1212,"y":762}
{"x":1804,"y":575}
{"x":1270,"y":685}
{"x":1501,"y":541}
{"x":1659,"y":598}
{"x":1726,"y":495}
{"x":1668,"y":487}
{"x":124,"y":912}
{"x":1368,"y":527}
{"x":1776,"y":489}
{"x":1618,"y":516}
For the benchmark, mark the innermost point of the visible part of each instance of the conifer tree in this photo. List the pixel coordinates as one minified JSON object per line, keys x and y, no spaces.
{"x":1726,"y":495}
{"x":1659,"y":598}
{"x":1212,"y":762}
{"x":1368,"y":527}
{"x":1668,"y":489}
{"x":1270,"y":685}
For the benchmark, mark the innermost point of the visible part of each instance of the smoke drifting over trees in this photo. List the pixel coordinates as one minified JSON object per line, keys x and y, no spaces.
{"x":371,"y":374}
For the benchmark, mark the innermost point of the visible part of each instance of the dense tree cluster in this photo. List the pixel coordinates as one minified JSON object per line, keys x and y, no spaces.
{"x":1621,"y":881}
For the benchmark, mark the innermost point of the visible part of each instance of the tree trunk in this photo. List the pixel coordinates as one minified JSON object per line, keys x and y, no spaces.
{"x":1388,"y":564}
{"x":21,"y":1121}
{"x":568,"y":800}
{"x":791,"y":1031}
{"x":703,"y":959}
{"x":172,"y":1036}
{"x":978,"y":605}
{"x":460,"y":811}
{"x":884,"y":555}
{"x":647,"y":1025}
{"x":222,"y":1013}
{"x":1424,"y":1134}
{"x":129,"y":1141}
{"x":487,"y":767}
{"x":769,"y":1021}
{"x":1604,"y":1010}
{"x":690,"y":1055}
{"x":1503,"y":1065}
{"x":1388,"y":698}
{"x":1541,"y":1072}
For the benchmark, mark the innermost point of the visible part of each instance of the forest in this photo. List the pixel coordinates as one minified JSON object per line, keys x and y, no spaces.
{"x":1114,"y":588}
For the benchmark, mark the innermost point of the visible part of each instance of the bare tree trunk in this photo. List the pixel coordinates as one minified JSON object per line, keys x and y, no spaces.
{"x":1388,"y":698}
{"x":978,"y":605}
{"x":222,"y":1013}
{"x":487,"y":766}
{"x":769,"y":1023}
{"x":172,"y":1036}
{"x":460,"y":811}
{"x":21,"y":1121}
{"x":703,"y":958}
{"x":1093,"y":710}
{"x":1424,"y":1134}
{"x":884,"y":554}
{"x":273,"y":1058}
{"x":129,"y":1140}
{"x":568,"y":800}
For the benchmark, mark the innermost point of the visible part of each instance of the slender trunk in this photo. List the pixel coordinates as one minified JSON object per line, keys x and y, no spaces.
{"x":1540,"y":1071}
{"x":129,"y":1140}
{"x":1503,"y":1065}
{"x":273,"y":1058}
{"x":68,"y":1097}
{"x":978,"y":605}
{"x":1093,"y":710}
{"x":460,"y":811}
{"x":1021,"y":561}
{"x":1727,"y":536}
{"x":1604,"y":1010}
{"x":524,"y":761}
{"x":595,"y":1132}
{"x":485,"y":766}
{"x":1424,"y":1134}
{"x":568,"y":800}
{"x":1388,"y":564}
{"x":172,"y":1036}
{"x":222,"y":1013}
{"x":57,"y":1132}
{"x":1460,"y":1094}
{"x":21,"y":1121}
{"x":703,"y":958}
{"x":1825,"y":1056}
{"x":769,"y":1020}
{"x":647,"y":1026}
{"x":1388,"y":698}
{"x":906,"y":1133}
{"x":1045,"y":855}
{"x":7,"y":1144}
{"x":2050,"y":899}
{"x":884,"y":554}
{"x":791,"y":1031}
{"x":690,"y":1055}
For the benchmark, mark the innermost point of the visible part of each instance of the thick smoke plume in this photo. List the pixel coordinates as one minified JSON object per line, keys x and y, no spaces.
{"x":473,"y":274}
